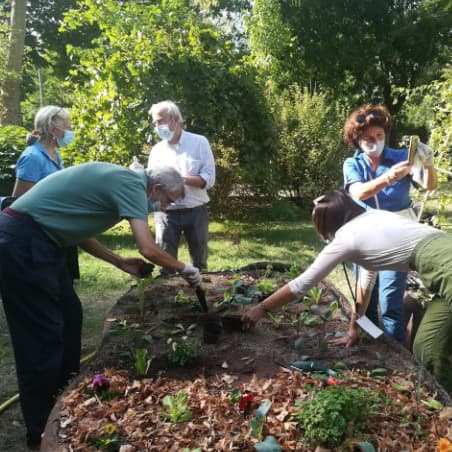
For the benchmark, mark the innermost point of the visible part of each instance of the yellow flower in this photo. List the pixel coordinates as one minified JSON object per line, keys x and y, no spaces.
{"x":444,"y":445}
{"x":110,"y":429}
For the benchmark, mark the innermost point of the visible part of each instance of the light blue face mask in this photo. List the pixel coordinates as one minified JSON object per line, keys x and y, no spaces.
{"x":66,"y":139}
{"x":164,"y":132}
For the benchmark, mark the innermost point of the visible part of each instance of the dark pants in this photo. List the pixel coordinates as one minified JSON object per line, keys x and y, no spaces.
{"x":193,"y":223}
{"x":44,"y":316}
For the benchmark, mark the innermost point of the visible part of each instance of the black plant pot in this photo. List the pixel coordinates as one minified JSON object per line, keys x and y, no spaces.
{"x":212,"y":331}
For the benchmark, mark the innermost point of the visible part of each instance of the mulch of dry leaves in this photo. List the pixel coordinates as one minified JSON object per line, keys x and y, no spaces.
{"x":134,"y":414}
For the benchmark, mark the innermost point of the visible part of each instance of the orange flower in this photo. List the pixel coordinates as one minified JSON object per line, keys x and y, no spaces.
{"x":444,"y":445}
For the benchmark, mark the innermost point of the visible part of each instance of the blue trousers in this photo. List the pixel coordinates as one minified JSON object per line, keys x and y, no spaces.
{"x":193,"y":223}
{"x":44,"y":316}
{"x":388,"y":292}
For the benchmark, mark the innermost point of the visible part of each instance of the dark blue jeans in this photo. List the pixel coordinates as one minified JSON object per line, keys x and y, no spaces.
{"x":44,"y":316}
{"x":193,"y":223}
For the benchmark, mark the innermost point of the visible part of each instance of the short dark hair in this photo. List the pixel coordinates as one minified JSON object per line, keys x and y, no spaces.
{"x":332,"y":210}
{"x":364,"y":117}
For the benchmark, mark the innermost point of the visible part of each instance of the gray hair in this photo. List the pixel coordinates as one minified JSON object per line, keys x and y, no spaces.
{"x":168,"y":177}
{"x":169,"y":106}
{"x":46,"y":116}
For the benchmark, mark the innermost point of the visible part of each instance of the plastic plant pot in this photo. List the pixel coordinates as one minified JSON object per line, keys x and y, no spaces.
{"x":232,"y":322}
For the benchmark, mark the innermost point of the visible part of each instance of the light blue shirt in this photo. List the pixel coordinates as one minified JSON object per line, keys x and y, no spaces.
{"x":394,"y":197}
{"x":35,"y":163}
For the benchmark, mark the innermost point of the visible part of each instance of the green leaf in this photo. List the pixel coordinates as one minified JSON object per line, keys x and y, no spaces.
{"x":340,"y":366}
{"x":268,"y":445}
{"x":433,"y":404}
{"x":299,"y":344}
{"x":400,"y":388}
{"x":364,"y":446}
{"x":379,"y":372}
{"x":263,"y":409}
{"x":235,"y":396}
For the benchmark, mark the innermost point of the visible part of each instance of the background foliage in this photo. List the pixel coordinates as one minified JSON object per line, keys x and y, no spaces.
{"x":269,"y":83}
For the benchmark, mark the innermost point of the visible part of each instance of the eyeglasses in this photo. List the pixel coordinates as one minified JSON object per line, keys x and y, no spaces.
{"x":360,"y":119}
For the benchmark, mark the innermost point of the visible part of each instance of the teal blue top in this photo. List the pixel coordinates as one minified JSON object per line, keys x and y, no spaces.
{"x":35,"y":163}
{"x":80,"y":202}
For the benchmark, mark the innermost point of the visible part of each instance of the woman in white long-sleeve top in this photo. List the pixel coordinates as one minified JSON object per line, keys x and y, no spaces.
{"x":380,"y":240}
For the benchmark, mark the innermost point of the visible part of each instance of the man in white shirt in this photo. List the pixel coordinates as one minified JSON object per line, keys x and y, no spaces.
{"x":190,"y":154}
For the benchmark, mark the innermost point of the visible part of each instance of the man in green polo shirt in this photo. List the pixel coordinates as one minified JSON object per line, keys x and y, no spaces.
{"x":44,"y":314}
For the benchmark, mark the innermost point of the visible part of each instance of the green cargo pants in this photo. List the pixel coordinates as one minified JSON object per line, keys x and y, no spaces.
{"x":432,"y":259}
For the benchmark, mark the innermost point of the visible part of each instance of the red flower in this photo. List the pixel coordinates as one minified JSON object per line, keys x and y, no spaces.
{"x":331,"y":381}
{"x":245,"y":401}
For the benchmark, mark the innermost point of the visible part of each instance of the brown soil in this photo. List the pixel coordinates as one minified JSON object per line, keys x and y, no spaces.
{"x":247,"y":360}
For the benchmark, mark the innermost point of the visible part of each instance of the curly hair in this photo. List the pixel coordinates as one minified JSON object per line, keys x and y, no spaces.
{"x":363,"y":117}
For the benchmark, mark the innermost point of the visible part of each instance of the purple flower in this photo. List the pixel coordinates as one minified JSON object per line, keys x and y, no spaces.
{"x":100,"y":384}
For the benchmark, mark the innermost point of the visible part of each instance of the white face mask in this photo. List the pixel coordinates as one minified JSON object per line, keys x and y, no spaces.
{"x":374,"y":149}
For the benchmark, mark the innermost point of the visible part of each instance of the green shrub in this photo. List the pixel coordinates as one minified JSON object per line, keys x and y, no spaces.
{"x":333,"y":412}
{"x":12,"y":143}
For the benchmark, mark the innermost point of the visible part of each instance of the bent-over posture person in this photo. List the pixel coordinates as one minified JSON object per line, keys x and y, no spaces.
{"x":380,"y":240}
{"x":43,"y":311}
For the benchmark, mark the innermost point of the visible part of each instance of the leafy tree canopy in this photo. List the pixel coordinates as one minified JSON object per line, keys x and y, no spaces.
{"x":148,"y":52}
{"x":359,"y":47}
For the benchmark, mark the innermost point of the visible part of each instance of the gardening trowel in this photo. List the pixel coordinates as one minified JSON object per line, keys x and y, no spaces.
{"x":201,"y":294}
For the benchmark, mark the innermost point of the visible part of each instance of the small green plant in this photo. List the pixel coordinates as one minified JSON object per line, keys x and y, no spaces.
{"x":276,"y":319}
{"x":314,"y":296}
{"x":292,"y":273}
{"x":177,"y":408}
{"x":326,"y":419}
{"x":182,"y":352}
{"x":110,"y":441}
{"x":305,"y":319}
{"x":177,"y":329}
{"x":142,"y":283}
{"x":257,"y":423}
{"x":122,"y":329}
{"x":142,"y":361}
{"x":181,"y":298}
{"x":267,"y":285}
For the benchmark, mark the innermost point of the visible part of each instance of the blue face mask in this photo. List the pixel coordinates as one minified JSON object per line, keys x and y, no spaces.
{"x":66,"y":139}
{"x":164,"y":132}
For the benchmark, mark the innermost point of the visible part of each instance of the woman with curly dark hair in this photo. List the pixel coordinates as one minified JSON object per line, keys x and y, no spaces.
{"x":381,"y":177}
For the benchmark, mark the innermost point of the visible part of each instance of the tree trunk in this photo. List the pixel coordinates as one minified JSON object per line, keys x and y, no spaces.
{"x":10,"y":92}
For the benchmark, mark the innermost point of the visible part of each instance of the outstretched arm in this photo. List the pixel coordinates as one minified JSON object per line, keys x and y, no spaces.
{"x":270,"y":304}
{"x":151,"y":251}
{"x":364,"y":289}
{"x":130,"y":265}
